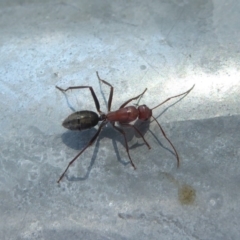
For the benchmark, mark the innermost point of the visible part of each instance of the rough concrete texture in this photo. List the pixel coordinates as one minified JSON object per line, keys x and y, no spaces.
{"x":166,"y":46}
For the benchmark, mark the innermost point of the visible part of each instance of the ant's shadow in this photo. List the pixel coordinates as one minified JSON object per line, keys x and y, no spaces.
{"x":79,"y":139}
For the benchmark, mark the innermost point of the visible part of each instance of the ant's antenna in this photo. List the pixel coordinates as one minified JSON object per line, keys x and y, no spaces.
{"x":174,"y":97}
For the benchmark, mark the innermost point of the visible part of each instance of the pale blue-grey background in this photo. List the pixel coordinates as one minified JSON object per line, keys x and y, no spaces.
{"x":166,"y":46}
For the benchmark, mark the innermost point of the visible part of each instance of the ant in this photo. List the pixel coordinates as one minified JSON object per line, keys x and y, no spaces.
{"x":82,"y":120}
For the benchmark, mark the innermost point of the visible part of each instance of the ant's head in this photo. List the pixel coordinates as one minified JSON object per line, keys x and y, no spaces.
{"x":144,"y":113}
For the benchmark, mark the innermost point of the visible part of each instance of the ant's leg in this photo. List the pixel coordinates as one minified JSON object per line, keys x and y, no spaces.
{"x":122,"y":106}
{"x":88,"y":145}
{"x":91,"y":90}
{"x":174,"y":97}
{"x":127,"y":148}
{"x":111,"y":92}
{"x":164,"y":134}
{"x":130,"y":125}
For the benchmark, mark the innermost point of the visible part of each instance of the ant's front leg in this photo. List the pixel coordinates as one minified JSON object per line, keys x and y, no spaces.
{"x":124,"y":104}
{"x":135,"y":128}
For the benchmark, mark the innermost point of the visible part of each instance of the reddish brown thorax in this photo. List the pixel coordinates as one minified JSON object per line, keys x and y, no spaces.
{"x":144,"y":113}
{"x":123,"y":115}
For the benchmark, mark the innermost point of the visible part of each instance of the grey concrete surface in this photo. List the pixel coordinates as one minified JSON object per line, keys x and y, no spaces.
{"x":166,"y":46}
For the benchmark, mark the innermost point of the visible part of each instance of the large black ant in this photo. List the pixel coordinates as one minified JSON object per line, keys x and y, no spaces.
{"x":82,"y":120}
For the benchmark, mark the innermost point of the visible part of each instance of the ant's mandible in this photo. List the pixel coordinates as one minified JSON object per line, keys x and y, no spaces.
{"x":82,"y":120}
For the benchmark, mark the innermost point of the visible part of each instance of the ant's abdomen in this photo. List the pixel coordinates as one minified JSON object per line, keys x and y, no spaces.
{"x":123,"y":115}
{"x":81,"y":120}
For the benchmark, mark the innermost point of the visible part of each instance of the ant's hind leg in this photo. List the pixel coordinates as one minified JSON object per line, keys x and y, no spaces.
{"x":88,"y":145}
{"x":111,"y":91}
{"x":81,"y":87}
